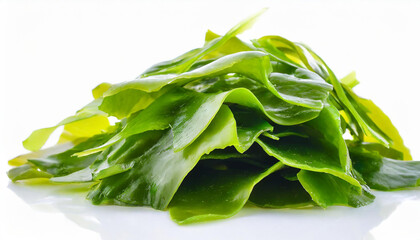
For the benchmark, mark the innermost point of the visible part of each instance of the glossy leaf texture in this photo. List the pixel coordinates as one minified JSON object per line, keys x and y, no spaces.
{"x":369,"y":128}
{"x":231,"y":123}
{"x":327,"y":190}
{"x":380,"y":119}
{"x":384,"y":173}
{"x":59,"y":161}
{"x":65,"y":163}
{"x":277,"y":110}
{"x":322,"y":150}
{"x":87,"y":122}
{"x":156,"y":175}
{"x":216,"y":189}
{"x":188,"y":113}
{"x":26,"y":171}
{"x":184,"y":62}
{"x":281,"y":189}
{"x":22,"y":159}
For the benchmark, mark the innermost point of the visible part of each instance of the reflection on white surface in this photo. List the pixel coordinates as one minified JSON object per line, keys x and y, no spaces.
{"x":390,"y":211}
{"x":403,"y":223}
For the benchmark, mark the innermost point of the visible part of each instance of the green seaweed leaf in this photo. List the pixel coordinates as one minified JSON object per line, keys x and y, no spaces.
{"x":26,"y":171}
{"x":188,"y":113}
{"x":87,"y":122}
{"x":305,"y":154}
{"x":323,"y":150}
{"x":384,"y":173}
{"x":276,"y":191}
{"x":374,"y":115}
{"x":187,"y":61}
{"x":222,"y":125}
{"x":216,"y":190}
{"x":65,"y":163}
{"x":157,"y":174}
{"x":328,"y":190}
{"x":368,"y":127}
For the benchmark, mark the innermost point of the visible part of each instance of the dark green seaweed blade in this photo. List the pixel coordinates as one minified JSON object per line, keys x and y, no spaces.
{"x":275,"y":191}
{"x":216,"y":189}
{"x":384,"y":173}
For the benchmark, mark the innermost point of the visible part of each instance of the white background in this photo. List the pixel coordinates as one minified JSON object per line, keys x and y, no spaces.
{"x":54,"y":52}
